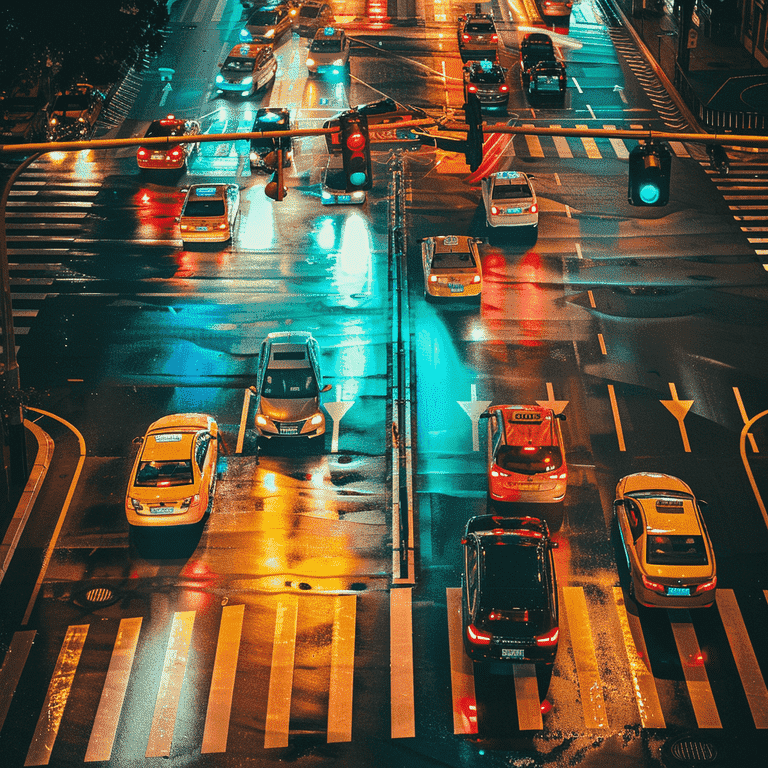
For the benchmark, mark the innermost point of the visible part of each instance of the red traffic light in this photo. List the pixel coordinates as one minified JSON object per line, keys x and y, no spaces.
{"x":356,"y":141}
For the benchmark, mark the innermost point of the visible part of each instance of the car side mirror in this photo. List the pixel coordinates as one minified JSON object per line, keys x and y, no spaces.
{"x":326,"y":388}
{"x":531,"y":176}
{"x":137,"y":440}
{"x":484,"y":415}
{"x":561,"y":416}
{"x":554,"y":544}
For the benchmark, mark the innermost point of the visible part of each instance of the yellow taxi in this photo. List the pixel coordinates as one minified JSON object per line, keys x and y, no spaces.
{"x":452,"y":267}
{"x":174,"y":475}
{"x":669,"y":554}
{"x":209,"y":213}
{"x":526,"y":458}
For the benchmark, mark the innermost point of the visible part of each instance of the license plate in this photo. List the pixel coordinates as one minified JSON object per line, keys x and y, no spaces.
{"x":678,"y":591}
{"x":161,"y":510}
{"x":514,"y":210}
{"x":201,"y":229}
{"x":158,"y":155}
{"x":512,"y":653}
{"x":289,"y":430}
{"x":456,"y":288}
{"x":344,"y":198}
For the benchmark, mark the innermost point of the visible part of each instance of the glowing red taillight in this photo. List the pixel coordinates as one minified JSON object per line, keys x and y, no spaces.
{"x":548,"y":640}
{"x":472,"y":88}
{"x":652,"y":585}
{"x":476,"y":637}
{"x":176,"y":153}
{"x":503,"y":88}
{"x":534,"y":208}
{"x":707,"y":586}
{"x":494,"y":38}
{"x":142,"y":153}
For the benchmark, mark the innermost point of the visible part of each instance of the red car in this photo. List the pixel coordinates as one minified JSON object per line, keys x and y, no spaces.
{"x":160,"y":157}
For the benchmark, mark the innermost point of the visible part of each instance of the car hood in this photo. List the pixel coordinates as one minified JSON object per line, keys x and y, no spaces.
{"x":293,"y":409}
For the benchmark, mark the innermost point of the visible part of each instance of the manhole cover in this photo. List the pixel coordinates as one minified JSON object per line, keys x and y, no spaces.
{"x":344,"y":459}
{"x":691,"y":751}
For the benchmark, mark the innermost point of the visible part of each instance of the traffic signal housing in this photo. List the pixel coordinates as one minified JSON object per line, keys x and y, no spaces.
{"x":650,"y":165}
{"x":473,"y":151}
{"x":355,"y":151}
{"x":275,"y":188}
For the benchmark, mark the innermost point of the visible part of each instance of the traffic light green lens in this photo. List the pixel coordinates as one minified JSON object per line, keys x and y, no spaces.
{"x":357,"y":178}
{"x":649,"y":193}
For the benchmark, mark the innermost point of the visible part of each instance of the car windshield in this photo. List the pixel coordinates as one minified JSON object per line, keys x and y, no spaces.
{"x":71,"y":103}
{"x":159,"y":128}
{"x":156,"y":474}
{"x":452,"y":260}
{"x":511,"y":191}
{"x":331,"y":45}
{"x":263,"y":19}
{"x":479,"y":27}
{"x":309,"y":11}
{"x":676,"y":550}
{"x":239,"y":65}
{"x":204,"y":208}
{"x":287,"y":383}
{"x":529,"y":459}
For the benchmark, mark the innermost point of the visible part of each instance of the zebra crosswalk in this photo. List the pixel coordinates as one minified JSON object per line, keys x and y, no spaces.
{"x":166,"y":672}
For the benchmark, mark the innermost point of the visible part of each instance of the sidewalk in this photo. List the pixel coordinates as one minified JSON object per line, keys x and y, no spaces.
{"x":725,"y":88}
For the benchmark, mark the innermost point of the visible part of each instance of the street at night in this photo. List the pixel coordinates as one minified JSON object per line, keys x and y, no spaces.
{"x":318,"y":613}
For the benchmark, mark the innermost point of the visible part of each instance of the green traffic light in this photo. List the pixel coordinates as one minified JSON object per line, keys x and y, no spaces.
{"x":649,"y":193}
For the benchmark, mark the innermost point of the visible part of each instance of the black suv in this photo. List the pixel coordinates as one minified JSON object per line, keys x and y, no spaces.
{"x":509,"y":590}
{"x":536,"y":47}
{"x":271,"y":119}
{"x":488,"y":81}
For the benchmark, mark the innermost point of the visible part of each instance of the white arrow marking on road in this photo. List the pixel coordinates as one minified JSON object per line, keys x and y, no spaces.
{"x":558,"y":406}
{"x":678,"y":408}
{"x":473,"y":408}
{"x":336,"y":410}
{"x":166,"y":90}
{"x":620,"y":90}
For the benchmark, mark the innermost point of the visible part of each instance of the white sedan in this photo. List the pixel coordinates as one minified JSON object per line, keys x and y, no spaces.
{"x":510,"y":200}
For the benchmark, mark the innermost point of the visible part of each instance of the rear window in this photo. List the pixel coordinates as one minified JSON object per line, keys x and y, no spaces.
{"x":309,"y":12}
{"x":199,"y":208}
{"x":479,"y":26}
{"x":529,"y":459}
{"x":158,"y":474}
{"x":331,"y":45}
{"x":676,"y":550}
{"x":239,"y":65}
{"x":453,"y":261}
{"x":297,"y":355}
{"x":263,"y":19}
{"x":165,"y":129}
{"x":511,"y":191}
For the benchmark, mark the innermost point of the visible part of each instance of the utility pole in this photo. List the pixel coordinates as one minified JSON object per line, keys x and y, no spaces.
{"x":686,"y":27}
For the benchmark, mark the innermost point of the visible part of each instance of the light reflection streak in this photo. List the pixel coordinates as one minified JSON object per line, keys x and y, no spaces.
{"x":258,"y":231}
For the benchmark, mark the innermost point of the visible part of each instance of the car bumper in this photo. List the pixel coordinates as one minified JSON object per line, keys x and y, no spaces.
{"x":206,"y":237}
{"x":530,"y":654}
{"x":234,"y":88}
{"x":514,"y":220}
{"x":651,"y":599}
{"x":160,"y":165}
{"x":342,"y":198}
{"x":550,"y":496}
{"x":166,"y":520}
{"x":291,"y":429}
{"x":472,"y":291}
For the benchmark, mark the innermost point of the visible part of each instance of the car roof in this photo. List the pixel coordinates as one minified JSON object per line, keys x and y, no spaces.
{"x":531,"y":527}
{"x":453,"y":243}
{"x":168,"y":446}
{"x":671,"y":515}
{"x":288,"y":349}
{"x":278,"y":117}
{"x":528,"y":425}
{"x":246,"y":50}
{"x":208,"y":191}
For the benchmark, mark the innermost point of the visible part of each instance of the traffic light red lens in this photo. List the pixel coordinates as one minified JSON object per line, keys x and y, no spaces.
{"x":356,"y":141}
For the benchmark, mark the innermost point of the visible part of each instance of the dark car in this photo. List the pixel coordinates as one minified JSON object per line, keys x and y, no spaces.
{"x":488,"y":81}
{"x":266,"y":24}
{"x":22,"y":117}
{"x":74,"y":113}
{"x":535,"y":47}
{"x":271,"y":119}
{"x":547,"y":79}
{"x":509,"y":590}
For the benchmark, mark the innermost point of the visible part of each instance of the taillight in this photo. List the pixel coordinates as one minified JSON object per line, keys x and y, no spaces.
{"x":494,"y":211}
{"x":707,"y":586}
{"x":534,"y":208}
{"x":465,"y":38}
{"x":175,"y":153}
{"x":142,"y":153}
{"x":476,"y":279}
{"x":548,"y":640}
{"x":472,"y":89}
{"x":652,"y":585}
{"x":494,"y":38}
{"x":476,"y":637}
{"x":223,"y":226}
{"x":503,"y":88}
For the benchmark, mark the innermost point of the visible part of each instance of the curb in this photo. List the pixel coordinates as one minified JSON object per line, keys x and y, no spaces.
{"x":45,"y":446}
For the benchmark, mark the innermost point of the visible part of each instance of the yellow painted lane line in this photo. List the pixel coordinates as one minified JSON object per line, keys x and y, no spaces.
{"x":561,"y":144}
{"x":171,"y":680}
{"x":744,"y":656}
{"x":616,"y":417}
{"x":527,"y":697}
{"x":534,"y":145}
{"x":56,"y":699}
{"x":342,"y":668}
{"x":590,"y":145}
{"x":695,"y":672}
{"x":402,"y":707}
{"x":462,"y":677}
{"x":619,"y":147}
{"x":281,"y":675}
{"x":216,"y":728}
{"x":590,"y":684}
{"x":113,"y":693}
{"x":643,"y":682}
{"x":745,"y":418}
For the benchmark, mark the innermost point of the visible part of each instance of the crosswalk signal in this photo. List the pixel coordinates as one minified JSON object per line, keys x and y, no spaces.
{"x":275,"y":190}
{"x":355,"y":151}
{"x":473,"y":115}
{"x":649,"y":170}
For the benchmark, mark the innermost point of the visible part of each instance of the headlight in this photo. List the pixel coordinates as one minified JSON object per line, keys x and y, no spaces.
{"x":270,"y":33}
{"x":262,"y":421}
{"x":338,"y":62}
{"x":310,"y":62}
{"x":245,"y":34}
{"x":326,"y":194}
{"x":247,"y":81}
{"x":219,"y":78}
{"x":316,"y":419}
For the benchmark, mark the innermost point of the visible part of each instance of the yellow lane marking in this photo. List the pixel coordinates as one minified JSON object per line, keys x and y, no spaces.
{"x":342,"y":669}
{"x":281,"y":675}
